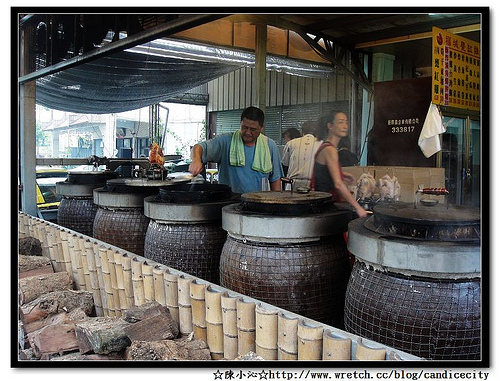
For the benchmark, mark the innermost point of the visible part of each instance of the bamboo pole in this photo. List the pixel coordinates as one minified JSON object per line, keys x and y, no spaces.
{"x":137,"y":283}
{"x":38,"y":227}
{"x":20,"y":231}
{"x":229,"y":326}
{"x":46,"y":243}
{"x":287,"y":337}
{"x":100,"y":278}
{"x":127,"y":281}
{"x":50,"y":243}
{"x":76,"y":262}
{"x":32,"y":227}
{"x":336,"y":348}
{"x":70,"y":260}
{"x":185,"y":308}
{"x":120,"y":284}
{"x":31,"y":222}
{"x":79,"y":241}
{"x":85,"y":265}
{"x":57,"y":250}
{"x":159,"y":285}
{"x":110,"y":257}
{"x":94,"y":278}
{"x":87,"y":251}
{"x":51,"y":248}
{"x":65,"y":249}
{"x":172,"y":294}
{"x":215,"y":334}
{"x":21,"y":225}
{"x":29,"y":226}
{"x":266,"y":333}
{"x":364,"y":352}
{"x":36,"y":231}
{"x":310,"y":341}
{"x":79,"y":260}
{"x":42,"y":236}
{"x":106,"y":275}
{"x":62,"y":263}
{"x":26,"y":224}
{"x":147,"y":280}
{"x":245,"y":312}
{"x":198,"y":306}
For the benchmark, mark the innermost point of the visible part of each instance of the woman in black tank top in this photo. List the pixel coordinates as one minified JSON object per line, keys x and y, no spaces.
{"x":327,"y":174}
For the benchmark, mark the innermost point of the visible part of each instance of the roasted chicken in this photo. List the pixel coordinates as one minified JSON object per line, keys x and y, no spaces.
{"x":156,"y":155}
{"x":389,"y":188}
{"x":366,"y":186}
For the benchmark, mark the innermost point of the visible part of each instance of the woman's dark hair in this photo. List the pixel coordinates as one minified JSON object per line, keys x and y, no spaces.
{"x":323,"y":121}
{"x":253,"y":113}
{"x":310,"y":127}
{"x":292,"y":133}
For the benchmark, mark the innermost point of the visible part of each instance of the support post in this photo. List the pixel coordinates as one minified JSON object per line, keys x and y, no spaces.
{"x":260,"y":64}
{"x":27,"y":128}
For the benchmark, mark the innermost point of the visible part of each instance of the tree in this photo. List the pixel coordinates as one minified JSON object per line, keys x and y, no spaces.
{"x":41,"y":138}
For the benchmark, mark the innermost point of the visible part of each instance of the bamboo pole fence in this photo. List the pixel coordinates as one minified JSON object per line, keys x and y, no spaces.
{"x":232,"y":324}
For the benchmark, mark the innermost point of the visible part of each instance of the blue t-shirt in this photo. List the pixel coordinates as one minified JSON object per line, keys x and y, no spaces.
{"x":242,"y":179}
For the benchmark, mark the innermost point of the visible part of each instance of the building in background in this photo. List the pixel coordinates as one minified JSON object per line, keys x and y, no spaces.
{"x":63,"y":134}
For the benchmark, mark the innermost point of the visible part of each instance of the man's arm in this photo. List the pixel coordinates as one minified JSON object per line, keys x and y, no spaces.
{"x":196,"y":165}
{"x":276,"y":185}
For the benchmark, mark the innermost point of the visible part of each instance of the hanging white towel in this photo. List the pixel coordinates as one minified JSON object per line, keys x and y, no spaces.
{"x":429,"y":141}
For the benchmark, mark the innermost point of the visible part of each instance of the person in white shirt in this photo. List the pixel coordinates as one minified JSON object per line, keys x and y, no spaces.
{"x":298,"y":156}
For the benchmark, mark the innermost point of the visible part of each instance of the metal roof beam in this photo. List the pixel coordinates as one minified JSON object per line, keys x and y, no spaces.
{"x":416,"y":29}
{"x":415,"y":37}
{"x":328,"y":53}
{"x":359,"y":77}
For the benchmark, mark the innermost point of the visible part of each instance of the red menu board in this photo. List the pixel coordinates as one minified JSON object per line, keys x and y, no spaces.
{"x":456,"y":72}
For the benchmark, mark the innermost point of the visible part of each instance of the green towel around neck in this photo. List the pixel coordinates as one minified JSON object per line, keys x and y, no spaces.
{"x":262,"y":158}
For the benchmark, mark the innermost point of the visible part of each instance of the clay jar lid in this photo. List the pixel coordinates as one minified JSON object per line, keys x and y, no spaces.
{"x":194,"y":193}
{"x":134,"y":185}
{"x":90,"y":177}
{"x":435,"y":222}
{"x":286,"y":203}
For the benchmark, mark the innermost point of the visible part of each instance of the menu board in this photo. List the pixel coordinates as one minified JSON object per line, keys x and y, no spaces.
{"x":456,"y":72}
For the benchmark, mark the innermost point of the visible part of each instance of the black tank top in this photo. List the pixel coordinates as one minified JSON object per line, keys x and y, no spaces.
{"x":321,"y":179}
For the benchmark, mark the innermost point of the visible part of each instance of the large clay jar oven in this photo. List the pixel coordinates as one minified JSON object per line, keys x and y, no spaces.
{"x":415,"y":285}
{"x":77,"y":209}
{"x":120,"y":219}
{"x":185,"y":229}
{"x":287,"y":249}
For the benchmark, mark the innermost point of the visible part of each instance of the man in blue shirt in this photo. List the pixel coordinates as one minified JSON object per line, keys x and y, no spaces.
{"x":248,"y":161}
